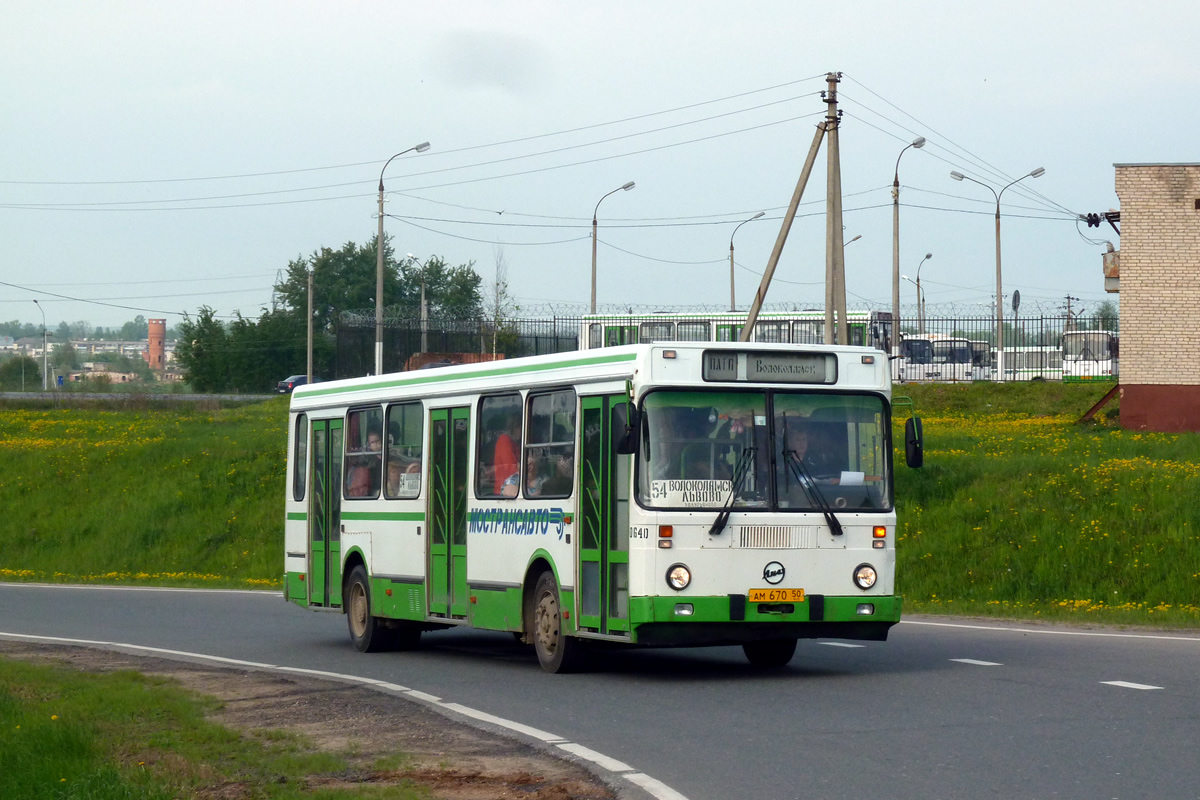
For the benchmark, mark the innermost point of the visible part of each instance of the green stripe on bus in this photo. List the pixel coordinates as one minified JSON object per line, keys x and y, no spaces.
{"x":300,"y":515}
{"x":399,"y":516}
{"x":487,"y":373}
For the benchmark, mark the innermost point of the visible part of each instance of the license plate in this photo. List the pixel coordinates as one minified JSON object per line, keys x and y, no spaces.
{"x":776,"y":595}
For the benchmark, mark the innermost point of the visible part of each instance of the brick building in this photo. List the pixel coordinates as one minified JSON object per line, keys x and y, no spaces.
{"x":1160,"y":296}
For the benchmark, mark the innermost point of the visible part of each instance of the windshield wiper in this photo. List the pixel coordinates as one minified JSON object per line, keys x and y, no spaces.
{"x":805,"y":479}
{"x":740,"y":471}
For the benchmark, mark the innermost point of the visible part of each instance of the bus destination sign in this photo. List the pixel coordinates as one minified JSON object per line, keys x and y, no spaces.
{"x":725,"y":365}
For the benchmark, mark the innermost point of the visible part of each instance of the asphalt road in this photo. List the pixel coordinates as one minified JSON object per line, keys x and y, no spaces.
{"x":945,"y":709}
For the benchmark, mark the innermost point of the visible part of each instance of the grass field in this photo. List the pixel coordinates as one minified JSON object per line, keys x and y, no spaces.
{"x":1018,"y":512}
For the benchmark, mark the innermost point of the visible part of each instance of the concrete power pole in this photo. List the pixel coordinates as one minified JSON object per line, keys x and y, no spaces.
{"x":1069,"y":326}
{"x":835,"y":258}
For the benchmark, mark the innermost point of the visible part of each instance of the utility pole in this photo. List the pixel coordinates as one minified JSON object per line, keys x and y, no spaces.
{"x":835,"y":258}
{"x":310,"y":325}
{"x":1069,"y":318}
{"x":761,"y":295}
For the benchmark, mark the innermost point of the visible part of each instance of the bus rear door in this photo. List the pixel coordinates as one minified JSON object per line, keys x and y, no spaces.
{"x":604,"y":518}
{"x":324,"y":515}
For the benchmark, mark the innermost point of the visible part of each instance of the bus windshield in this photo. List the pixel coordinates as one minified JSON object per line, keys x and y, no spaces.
{"x":1085,"y":346}
{"x":783,"y":451}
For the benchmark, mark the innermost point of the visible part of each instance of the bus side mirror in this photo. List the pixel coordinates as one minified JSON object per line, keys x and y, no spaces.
{"x":914,"y":443}
{"x":626,"y":440}
{"x":1116,"y":347}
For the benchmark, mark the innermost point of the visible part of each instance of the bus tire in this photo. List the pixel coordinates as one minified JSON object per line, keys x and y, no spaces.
{"x":367,"y":632}
{"x":770,"y":653}
{"x":556,"y":653}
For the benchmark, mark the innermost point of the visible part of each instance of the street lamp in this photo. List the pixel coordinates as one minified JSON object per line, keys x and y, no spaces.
{"x":732,"y":301}
{"x":921,"y":296}
{"x":624,"y":188}
{"x":424,"y":312}
{"x":918,"y":143}
{"x":958,"y":176}
{"x":420,"y":148}
{"x":45,"y":377}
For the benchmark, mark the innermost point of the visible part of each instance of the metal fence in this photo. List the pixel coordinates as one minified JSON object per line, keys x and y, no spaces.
{"x":403,"y":338}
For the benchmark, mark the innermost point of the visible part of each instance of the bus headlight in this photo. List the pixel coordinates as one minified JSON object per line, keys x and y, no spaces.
{"x":678,"y":577}
{"x":865,"y":576}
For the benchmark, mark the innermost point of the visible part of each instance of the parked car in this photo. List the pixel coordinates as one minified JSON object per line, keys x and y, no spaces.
{"x":289,"y":383}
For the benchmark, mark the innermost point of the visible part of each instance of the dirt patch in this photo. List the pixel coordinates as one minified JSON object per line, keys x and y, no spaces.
{"x":454,"y":761}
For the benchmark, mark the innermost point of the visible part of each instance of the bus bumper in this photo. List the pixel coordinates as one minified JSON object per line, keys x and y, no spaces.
{"x":687,"y":621}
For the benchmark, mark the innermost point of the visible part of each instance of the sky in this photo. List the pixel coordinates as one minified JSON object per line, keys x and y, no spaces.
{"x":159,"y":157}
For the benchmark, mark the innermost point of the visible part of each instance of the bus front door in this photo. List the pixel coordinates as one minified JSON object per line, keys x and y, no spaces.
{"x":449,"y":429}
{"x":324,"y":514}
{"x":604,"y":518}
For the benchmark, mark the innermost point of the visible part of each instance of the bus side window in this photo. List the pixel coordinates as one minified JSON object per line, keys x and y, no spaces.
{"x":300,"y":458}
{"x":550,"y":445}
{"x":499,"y":446}
{"x":364,"y":452}
{"x":404,"y":446}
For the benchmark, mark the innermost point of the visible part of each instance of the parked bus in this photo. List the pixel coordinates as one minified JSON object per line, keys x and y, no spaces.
{"x":1090,"y":356}
{"x":867,"y":329}
{"x":1033,"y":363}
{"x":936,"y":357}
{"x":653,"y":495}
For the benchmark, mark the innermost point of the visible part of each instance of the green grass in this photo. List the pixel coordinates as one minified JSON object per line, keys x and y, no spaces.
{"x":66,"y":735}
{"x":159,"y":495}
{"x":1019,"y":511}
{"x":1022,"y":512}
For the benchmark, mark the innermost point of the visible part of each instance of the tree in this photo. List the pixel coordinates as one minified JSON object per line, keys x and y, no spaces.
{"x":1107,"y":316}
{"x":65,"y":357}
{"x":344,"y":280}
{"x":136,"y":330}
{"x":203,"y":352}
{"x":501,"y":307}
{"x":20,"y":373}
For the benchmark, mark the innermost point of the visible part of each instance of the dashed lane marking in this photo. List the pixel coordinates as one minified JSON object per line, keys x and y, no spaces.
{"x":1128,"y":685}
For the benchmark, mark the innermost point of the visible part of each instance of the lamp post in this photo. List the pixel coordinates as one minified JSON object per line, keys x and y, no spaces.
{"x":420,"y":148}
{"x":45,"y":385}
{"x":424,"y":310}
{"x":624,"y":188}
{"x":732,"y":296}
{"x":920,"y":304}
{"x":918,"y":143}
{"x":958,"y":176}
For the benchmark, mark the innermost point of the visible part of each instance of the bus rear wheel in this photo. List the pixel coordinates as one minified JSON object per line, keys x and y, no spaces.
{"x":556,"y":652}
{"x":367,"y":632}
{"x":770,"y":653}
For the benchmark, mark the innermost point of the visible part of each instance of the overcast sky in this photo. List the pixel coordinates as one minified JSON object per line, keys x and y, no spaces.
{"x":160,"y":156}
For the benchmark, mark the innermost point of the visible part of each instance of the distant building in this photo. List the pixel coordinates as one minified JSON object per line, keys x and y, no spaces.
{"x":156,"y":344}
{"x":1159,"y":279}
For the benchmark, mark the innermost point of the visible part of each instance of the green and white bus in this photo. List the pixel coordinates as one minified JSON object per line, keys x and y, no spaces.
{"x":651,"y":494}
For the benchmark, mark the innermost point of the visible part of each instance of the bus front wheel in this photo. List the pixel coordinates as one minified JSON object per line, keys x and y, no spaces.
{"x":771,"y":653}
{"x":367,"y":632}
{"x":555,"y":652}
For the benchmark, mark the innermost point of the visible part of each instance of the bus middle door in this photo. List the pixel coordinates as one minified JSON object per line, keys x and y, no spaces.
{"x":324,"y":515}
{"x":604,"y":518}
{"x":449,"y":430}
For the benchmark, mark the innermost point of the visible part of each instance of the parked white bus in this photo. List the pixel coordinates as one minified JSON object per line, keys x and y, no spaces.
{"x":655,"y":495}
{"x":1090,"y":356}
{"x":1033,"y":363}
{"x":936,"y":357}
{"x":865,"y":328}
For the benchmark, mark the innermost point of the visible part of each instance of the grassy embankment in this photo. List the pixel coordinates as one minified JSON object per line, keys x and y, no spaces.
{"x":125,"y":736}
{"x":1018,"y":512}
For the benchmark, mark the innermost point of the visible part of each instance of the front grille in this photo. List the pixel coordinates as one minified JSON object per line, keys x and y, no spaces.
{"x":776,"y":536}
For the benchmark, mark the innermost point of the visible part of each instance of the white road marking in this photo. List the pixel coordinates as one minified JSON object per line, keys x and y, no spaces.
{"x":841,"y":644}
{"x":655,"y":788}
{"x":1008,"y":629}
{"x":1128,"y":685}
{"x":977,"y":662}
